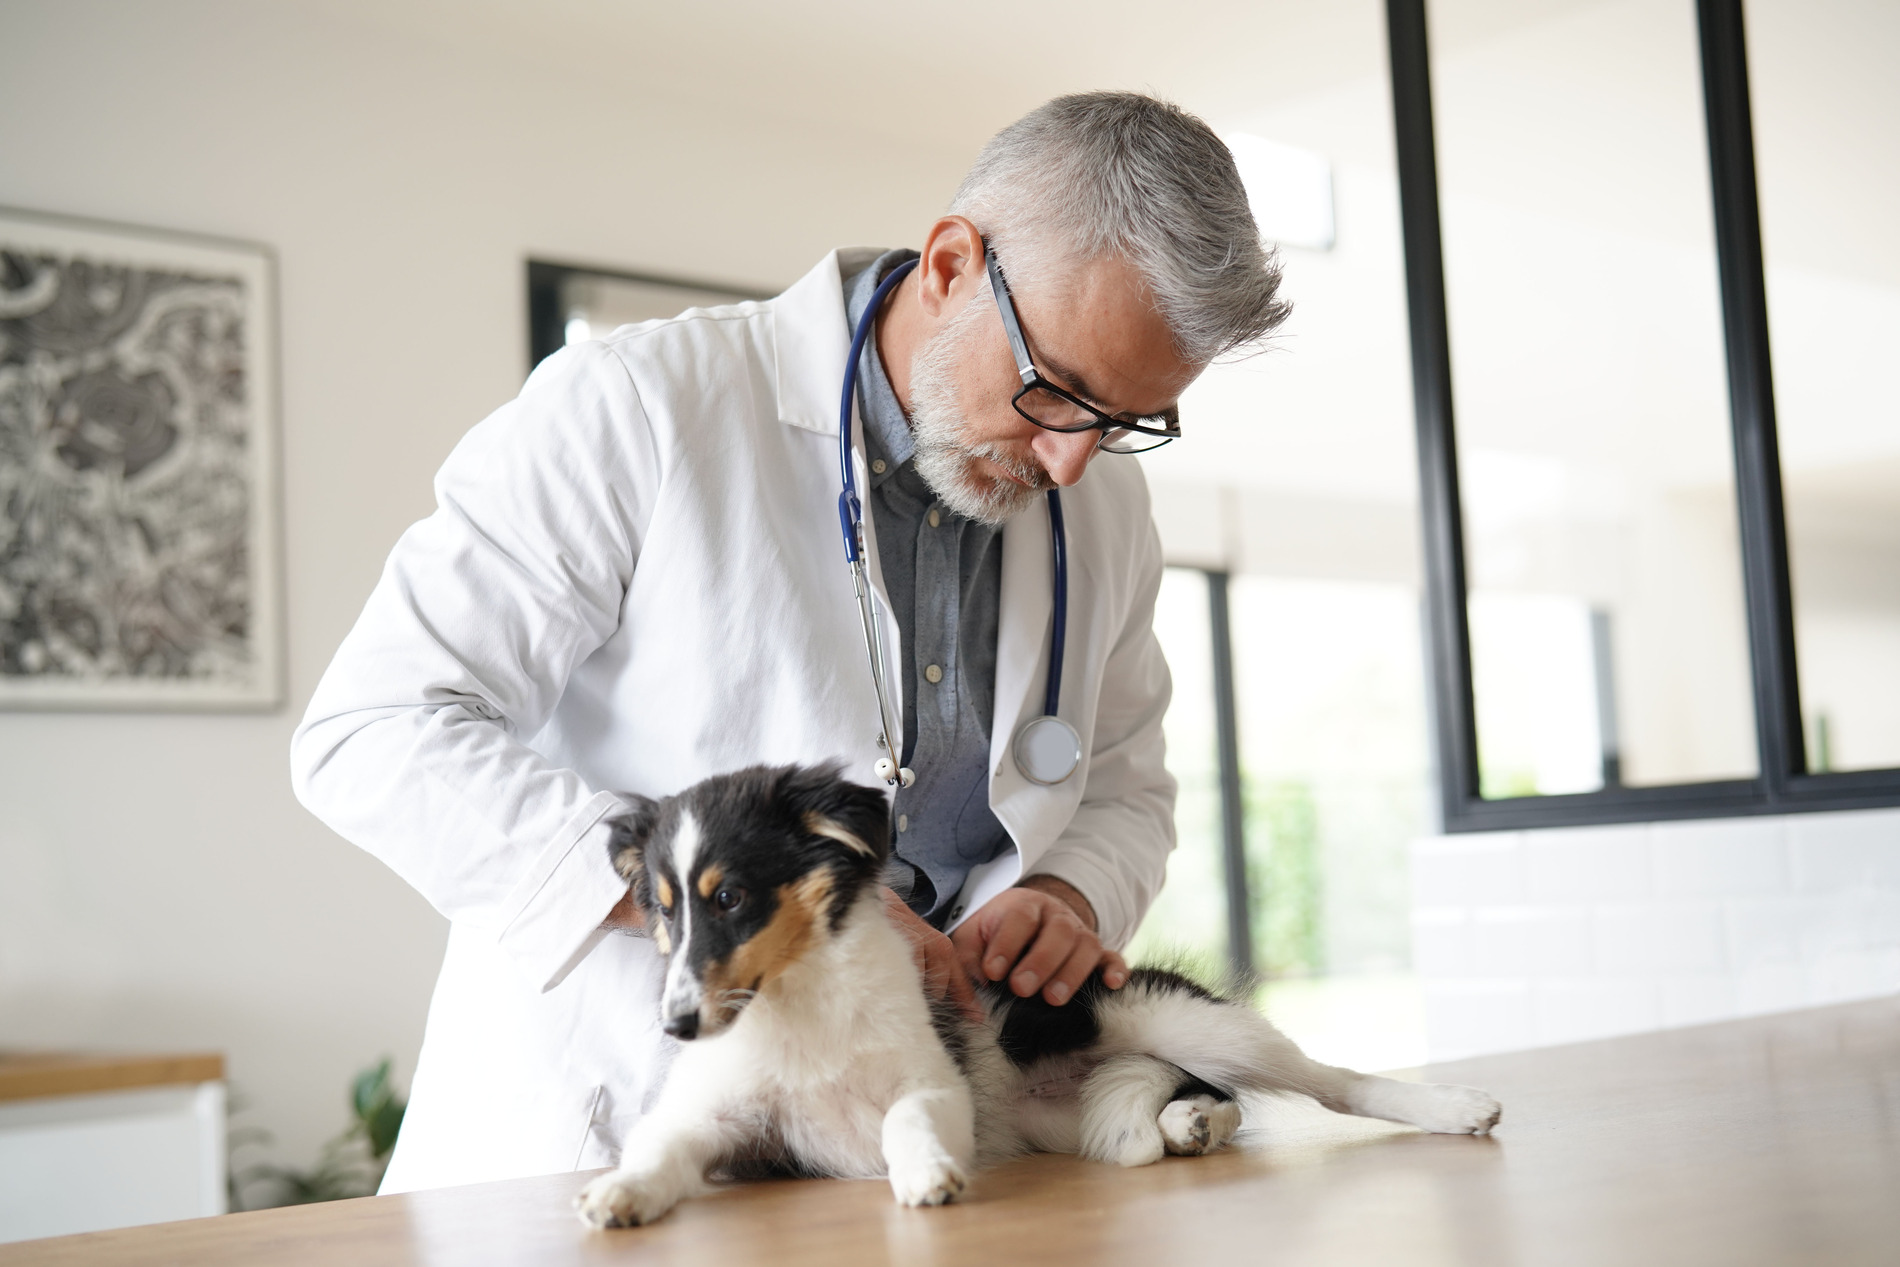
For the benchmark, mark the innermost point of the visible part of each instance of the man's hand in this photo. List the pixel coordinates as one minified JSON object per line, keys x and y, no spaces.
{"x":625,"y":917}
{"x":936,"y":959}
{"x":1040,"y":934}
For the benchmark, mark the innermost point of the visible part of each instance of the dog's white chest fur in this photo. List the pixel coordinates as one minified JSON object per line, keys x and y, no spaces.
{"x":815,"y":1063}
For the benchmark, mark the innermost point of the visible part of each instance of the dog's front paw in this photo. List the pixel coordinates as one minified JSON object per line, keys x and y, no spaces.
{"x":1198,"y":1124}
{"x":930,"y":1180}
{"x":1460,"y":1111}
{"x":619,"y":1199}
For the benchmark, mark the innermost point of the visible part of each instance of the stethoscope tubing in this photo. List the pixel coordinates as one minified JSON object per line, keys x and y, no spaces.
{"x":850,"y":510}
{"x":851,"y":523}
{"x":1059,"y":625}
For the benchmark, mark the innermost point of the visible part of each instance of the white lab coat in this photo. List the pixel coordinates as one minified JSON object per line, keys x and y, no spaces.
{"x":634,"y":579}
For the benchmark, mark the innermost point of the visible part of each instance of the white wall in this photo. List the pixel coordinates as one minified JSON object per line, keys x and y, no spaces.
{"x":1529,"y":938}
{"x":159,"y":887}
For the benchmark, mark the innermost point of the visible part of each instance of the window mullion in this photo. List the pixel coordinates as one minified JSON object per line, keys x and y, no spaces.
{"x":1233,"y":807}
{"x":1758,"y":495}
{"x":1448,"y":648}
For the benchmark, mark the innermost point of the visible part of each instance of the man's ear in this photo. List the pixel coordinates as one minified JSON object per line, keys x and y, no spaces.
{"x":626,"y":846}
{"x":828,"y":805}
{"x":951,"y":266}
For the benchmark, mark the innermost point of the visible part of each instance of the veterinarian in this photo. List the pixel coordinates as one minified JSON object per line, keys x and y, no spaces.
{"x":634,"y":579}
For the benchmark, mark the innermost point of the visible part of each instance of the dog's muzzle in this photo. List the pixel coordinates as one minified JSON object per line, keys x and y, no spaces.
{"x":684,"y":1026}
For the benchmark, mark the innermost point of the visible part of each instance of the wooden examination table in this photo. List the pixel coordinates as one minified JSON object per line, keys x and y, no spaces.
{"x":1775,"y":1140}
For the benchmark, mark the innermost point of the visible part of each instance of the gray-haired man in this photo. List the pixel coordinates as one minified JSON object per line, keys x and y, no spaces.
{"x":635,"y":580}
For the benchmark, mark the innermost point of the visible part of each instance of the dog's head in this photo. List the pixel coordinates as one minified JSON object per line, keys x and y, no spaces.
{"x":741,"y":875}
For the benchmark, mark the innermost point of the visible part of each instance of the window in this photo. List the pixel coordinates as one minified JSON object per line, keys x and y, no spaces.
{"x":1615,"y":631}
{"x":1827,"y":147}
{"x":1295,"y":806}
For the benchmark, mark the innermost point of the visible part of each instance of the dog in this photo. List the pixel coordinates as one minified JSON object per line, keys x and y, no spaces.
{"x":808,"y":1045}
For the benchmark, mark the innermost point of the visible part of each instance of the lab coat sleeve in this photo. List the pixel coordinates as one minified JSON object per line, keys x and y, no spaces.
{"x":413,"y":744}
{"x":1115,"y":849}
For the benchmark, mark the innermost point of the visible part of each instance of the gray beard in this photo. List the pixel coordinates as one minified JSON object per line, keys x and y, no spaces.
{"x":944,"y":458}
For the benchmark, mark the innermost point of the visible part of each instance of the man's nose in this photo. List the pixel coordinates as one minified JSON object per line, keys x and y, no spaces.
{"x":1065,"y":454}
{"x":684,"y":1026}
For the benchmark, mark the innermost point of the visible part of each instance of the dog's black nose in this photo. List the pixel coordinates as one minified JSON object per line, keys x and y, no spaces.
{"x":684,"y":1027}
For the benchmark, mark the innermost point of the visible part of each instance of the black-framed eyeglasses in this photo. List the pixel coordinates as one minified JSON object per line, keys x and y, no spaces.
{"x":1053,"y":409}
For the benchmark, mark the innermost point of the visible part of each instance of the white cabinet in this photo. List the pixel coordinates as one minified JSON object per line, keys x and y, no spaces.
{"x":86,"y":1159}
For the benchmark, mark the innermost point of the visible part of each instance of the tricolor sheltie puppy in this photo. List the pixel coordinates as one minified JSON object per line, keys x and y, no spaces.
{"x":808,"y":1045}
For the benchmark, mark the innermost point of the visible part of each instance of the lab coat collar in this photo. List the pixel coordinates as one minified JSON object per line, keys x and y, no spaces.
{"x":811,"y":338}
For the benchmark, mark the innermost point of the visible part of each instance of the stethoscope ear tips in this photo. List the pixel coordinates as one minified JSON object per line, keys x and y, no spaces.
{"x":890,"y":772}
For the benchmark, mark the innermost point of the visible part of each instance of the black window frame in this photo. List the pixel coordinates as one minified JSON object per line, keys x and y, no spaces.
{"x":1784,"y":784}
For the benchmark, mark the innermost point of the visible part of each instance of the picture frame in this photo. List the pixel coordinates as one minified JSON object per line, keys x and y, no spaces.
{"x":140,"y":547}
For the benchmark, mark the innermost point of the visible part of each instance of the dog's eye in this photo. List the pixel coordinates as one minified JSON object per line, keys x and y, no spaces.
{"x":728,"y":899}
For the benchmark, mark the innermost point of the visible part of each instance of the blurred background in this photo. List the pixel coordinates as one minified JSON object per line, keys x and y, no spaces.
{"x":405,"y":160}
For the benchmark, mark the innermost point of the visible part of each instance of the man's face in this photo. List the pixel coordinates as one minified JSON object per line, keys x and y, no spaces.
{"x":1095,"y":333}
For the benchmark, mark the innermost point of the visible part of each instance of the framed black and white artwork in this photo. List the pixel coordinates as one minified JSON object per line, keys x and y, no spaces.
{"x":139,"y":560}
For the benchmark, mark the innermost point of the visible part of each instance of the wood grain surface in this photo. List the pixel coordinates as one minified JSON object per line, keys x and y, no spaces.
{"x":1769,"y":1141}
{"x":29,"y":1075}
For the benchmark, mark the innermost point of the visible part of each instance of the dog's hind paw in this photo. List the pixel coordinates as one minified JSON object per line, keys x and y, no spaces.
{"x":1432,"y":1106}
{"x":931,"y":1180}
{"x":1198,"y":1124}
{"x":1460,"y":1111}
{"x":617,"y":1199}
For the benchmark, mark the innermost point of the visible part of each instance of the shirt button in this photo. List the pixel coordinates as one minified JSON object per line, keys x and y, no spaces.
{"x":933,"y":674}
{"x":878,"y":466}
{"x":933,"y":517}
{"x":956,"y":912}
{"x":903,"y":822}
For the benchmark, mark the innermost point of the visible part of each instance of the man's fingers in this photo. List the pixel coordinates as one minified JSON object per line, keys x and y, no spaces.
{"x":968,"y":943}
{"x":1005,"y":945}
{"x":940,"y":962}
{"x":1114,"y":970}
{"x":963,"y":994}
{"x":1058,"y":940}
{"x":944,"y":977}
{"x":1073,"y":972}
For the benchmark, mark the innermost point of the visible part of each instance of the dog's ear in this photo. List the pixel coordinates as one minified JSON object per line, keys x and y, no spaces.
{"x":626,"y":846}
{"x":828,"y":805}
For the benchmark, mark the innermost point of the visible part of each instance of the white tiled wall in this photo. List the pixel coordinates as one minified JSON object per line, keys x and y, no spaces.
{"x":1527,"y":938}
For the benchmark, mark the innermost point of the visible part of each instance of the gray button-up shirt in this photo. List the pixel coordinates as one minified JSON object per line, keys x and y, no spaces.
{"x":944,"y":575}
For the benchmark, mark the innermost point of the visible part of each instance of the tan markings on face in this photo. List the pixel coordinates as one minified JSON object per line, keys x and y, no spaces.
{"x":664,"y":890}
{"x":628,"y":864}
{"x":780,"y":944}
{"x":662,"y":939}
{"x":818,"y":825}
{"x":710,"y":879}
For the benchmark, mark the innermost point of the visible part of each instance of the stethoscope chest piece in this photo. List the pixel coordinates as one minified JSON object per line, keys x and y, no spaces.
{"x":1047,"y":749}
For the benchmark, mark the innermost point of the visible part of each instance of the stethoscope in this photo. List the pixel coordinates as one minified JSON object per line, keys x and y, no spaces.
{"x":1046,"y":748}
